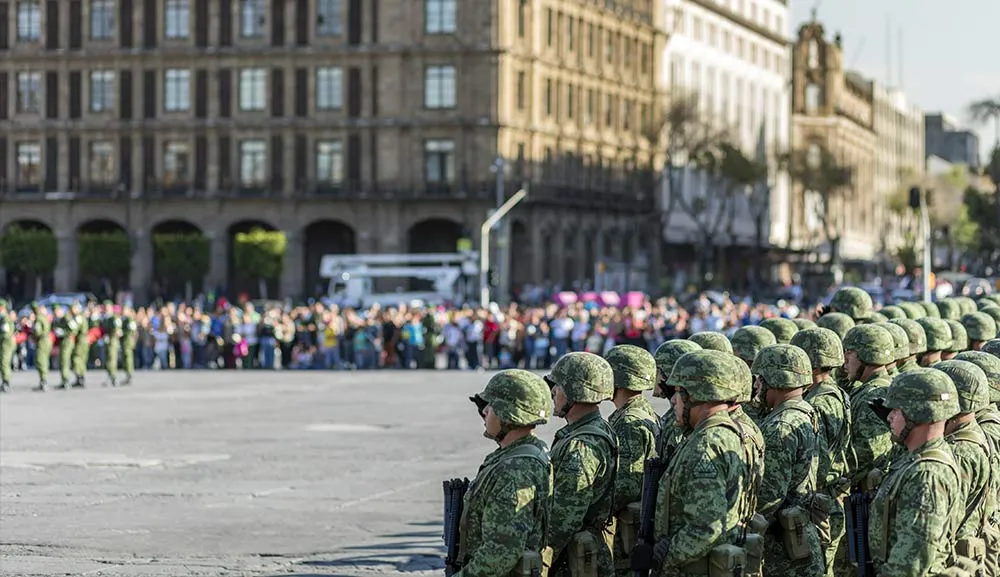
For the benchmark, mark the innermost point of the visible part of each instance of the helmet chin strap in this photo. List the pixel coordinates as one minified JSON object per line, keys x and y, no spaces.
{"x":564,"y":410}
{"x":907,"y":429}
{"x":504,"y":430}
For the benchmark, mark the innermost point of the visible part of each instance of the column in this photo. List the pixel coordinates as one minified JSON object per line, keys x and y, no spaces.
{"x":538,"y":272}
{"x":292,"y":277}
{"x":65,"y":273}
{"x":218,"y":271}
{"x":142,"y":265}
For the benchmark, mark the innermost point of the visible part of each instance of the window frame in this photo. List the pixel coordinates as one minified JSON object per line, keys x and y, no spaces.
{"x":108,"y":11}
{"x":254,"y":11}
{"x":110,"y":175}
{"x":176,"y":19}
{"x":329,"y":27}
{"x":31,"y":31}
{"x":18,"y":166}
{"x":329,"y":81}
{"x":446,"y":152}
{"x":261,"y":168}
{"x":19,"y":98}
{"x":183,"y":74}
{"x":435,"y":82}
{"x":252,"y":100}
{"x":436,"y":19}
{"x":108,"y":82}
{"x":171,"y":148}
{"x":336,"y":166}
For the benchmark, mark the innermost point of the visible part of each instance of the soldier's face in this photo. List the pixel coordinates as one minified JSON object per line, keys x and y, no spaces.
{"x":677,"y":400}
{"x":852,"y":365}
{"x":558,"y":396}
{"x":897,"y":422}
{"x":491,"y":422}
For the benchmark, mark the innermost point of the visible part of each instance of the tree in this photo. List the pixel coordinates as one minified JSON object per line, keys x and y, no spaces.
{"x":30,"y":252}
{"x":983,"y":111}
{"x":819,"y":172}
{"x":104,"y":259}
{"x":182,"y":257}
{"x":260,"y":254}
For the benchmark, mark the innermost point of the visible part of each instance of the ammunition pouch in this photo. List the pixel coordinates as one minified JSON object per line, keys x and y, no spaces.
{"x":758,"y":524}
{"x":530,"y":565}
{"x":820,"y":505}
{"x":971,"y":548}
{"x":872,"y":480}
{"x":991,"y":537}
{"x":721,"y":561}
{"x":839,"y":488}
{"x":754,"y":548}
{"x":628,"y":525}
{"x":794,"y":521}
{"x":581,"y":554}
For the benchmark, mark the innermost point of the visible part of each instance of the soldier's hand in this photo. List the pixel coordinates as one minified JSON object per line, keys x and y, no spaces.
{"x":641,"y":558}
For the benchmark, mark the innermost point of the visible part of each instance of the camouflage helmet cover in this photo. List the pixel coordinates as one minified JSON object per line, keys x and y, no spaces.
{"x":712,"y":341}
{"x":970,"y":382}
{"x":803,"y":324}
{"x":783,"y":366}
{"x":852,"y":301}
{"x":901,"y":344}
{"x":707,"y":375}
{"x":949,"y":309}
{"x":749,"y":340}
{"x":959,"y":338}
{"x":990,"y":365}
{"x":924,"y":395}
{"x":668,"y":353}
{"x":782,"y":328}
{"x":966,"y":304}
{"x":823,"y":347}
{"x":873,"y":344}
{"x":994,"y":312}
{"x":992,"y":347}
{"x":876,"y":317}
{"x":915,"y":334}
{"x":979,"y":326}
{"x":634,"y":368}
{"x":584,"y":377}
{"x":518,"y":398}
{"x":744,"y":378}
{"x":913,"y":310}
{"x":938,"y":333}
{"x":930,"y":309}
{"x":836,"y":322}
{"x":985,"y":303}
{"x":892,"y":312}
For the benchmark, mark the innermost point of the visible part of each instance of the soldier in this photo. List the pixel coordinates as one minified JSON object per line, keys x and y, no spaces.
{"x":836,"y":322}
{"x":749,"y":340}
{"x":41,"y":334}
{"x":972,"y":451}
{"x":6,"y":347}
{"x":993,"y":311}
{"x":783,"y":329}
{"x":507,"y":505}
{"x":81,"y":348}
{"x":912,"y":519}
{"x":66,"y":327}
{"x":585,"y":464}
{"x":901,"y":347}
{"x":130,"y":334}
{"x":918,"y":343}
{"x":803,"y":324}
{"x":636,"y":426}
{"x":980,"y":327}
{"x":666,"y":355}
{"x":833,"y":410}
{"x":867,"y":349}
{"x":712,"y":341}
{"x":959,"y":340}
{"x":701,"y":500}
{"x":791,"y":462}
{"x":938,"y":339}
{"x":949,"y":310}
{"x":992,"y":347}
{"x":113,"y":333}
{"x":853,"y":302}
{"x":892,"y":312}
{"x":930,"y":309}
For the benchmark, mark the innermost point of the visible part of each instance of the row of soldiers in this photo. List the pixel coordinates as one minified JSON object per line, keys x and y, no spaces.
{"x":853,"y":445}
{"x":70,"y":330}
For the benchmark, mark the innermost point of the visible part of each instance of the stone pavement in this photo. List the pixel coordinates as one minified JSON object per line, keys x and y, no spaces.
{"x":235,"y":473}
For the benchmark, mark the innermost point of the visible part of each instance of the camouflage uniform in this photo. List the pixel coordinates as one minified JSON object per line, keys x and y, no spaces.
{"x":130,"y":334}
{"x":791,"y":461}
{"x":41,"y":334}
{"x":636,"y":426}
{"x":901,"y":347}
{"x":992,"y":347}
{"x":6,"y":347}
{"x":507,"y":505}
{"x":918,"y":342}
{"x":782,"y":328}
{"x":870,"y":434}
{"x":712,"y":341}
{"x":113,"y":334}
{"x":585,"y":463}
{"x":836,"y":322}
{"x":671,"y":434}
{"x":803,"y":324}
{"x":980,"y":327}
{"x":833,"y":409}
{"x":913,"y":516}
{"x":81,"y":349}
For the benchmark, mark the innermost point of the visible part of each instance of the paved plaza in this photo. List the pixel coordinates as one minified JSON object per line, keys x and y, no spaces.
{"x":235,"y":473}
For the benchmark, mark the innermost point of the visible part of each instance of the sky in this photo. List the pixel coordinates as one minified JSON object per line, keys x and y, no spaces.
{"x":946,"y":45}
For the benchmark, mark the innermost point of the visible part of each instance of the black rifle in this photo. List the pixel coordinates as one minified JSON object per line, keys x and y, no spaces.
{"x":454,"y":499}
{"x":651,"y":473}
{"x":857,"y":532}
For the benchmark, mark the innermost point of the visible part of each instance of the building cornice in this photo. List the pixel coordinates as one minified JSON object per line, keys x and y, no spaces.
{"x":738,"y":19}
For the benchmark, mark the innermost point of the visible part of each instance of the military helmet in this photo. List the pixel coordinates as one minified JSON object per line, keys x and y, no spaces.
{"x":804,"y":324}
{"x":782,"y":328}
{"x":949,"y":309}
{"x":938,"y":333}
{"x":749,"y":340}
{"x":913,"y":310}
{"x":892,"y":312}
{"x":970,"y":382}
{"x":979,"y":326}
{"x":584,"y":378}
{"x":852,"y":301}
{"x":966,"y":304}
{"x":985,"y":303}
{"x":744,"y":379}
{"x":518,"y":398}
{"x":923,"y":395}
{"x":634,"y":367}
{"x":836,"y":322}
{"x":712,"y":341}
{"x":994,"y":312}
{"x":992,"y":347}
{"x":990,"y":366}
{"x":873,"y":344}
{"x":900,"y":342}
{"x":915,"y":334}
{"x":668,"y":353}
{"x":876,"y":317}
{"x":823,"y":347}
{"x":930,"y":309}
{"x":783,"y":366}
{"x":707,"y":375}
{"x":959,"y":338}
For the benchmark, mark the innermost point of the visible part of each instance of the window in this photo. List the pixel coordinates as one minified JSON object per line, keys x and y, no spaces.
{"x":330,"y":162}
{"x":439,"y":161}
{"x":521,"y":80}
{"x":177,"y":90}
{"x":102,"y":162}
{"x":29,"y":20}
{"x":570,"y":102}
{"x":251,"y":18}
{"x":102,"y":90}
{"x":676,"y":71}
{"x":727,"y":41}
{"x":439,"y":87}
{"x":608,"y":110}
{"x":29,"y":164}
{"x":548,"y":97}
{"x":522,"y":7}
{"x":814,"y":156}
{"x":550,"y":25}
{"x":609,"y":47}
{"x":588,"y":116}
{"x":439,"y":16}
{"x":329,"y":88}
{"x":177,"y":21}
{"x":29,"y":92}
{"x":253,"y":162}
{"x":627,"y":115}
{"x":812,"y":98}
{"x":813,"y":53}
{"x":253,"y":89}
{"x":102,"y":19}
{"x":330,"y":18}
{"x":176,"y":164}
{"x":570,"y":34}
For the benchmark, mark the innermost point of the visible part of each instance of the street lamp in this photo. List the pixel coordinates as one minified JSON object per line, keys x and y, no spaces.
{"x":499,"y":168}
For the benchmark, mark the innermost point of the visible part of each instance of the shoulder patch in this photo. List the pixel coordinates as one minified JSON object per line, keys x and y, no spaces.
{"x":703,"y":469}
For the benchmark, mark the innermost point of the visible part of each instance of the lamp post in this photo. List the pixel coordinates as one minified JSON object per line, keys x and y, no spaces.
{"x":484,"y":242}
{"x":499,"y":168}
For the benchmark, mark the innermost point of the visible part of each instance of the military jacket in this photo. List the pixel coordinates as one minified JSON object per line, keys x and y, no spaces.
{"x":871,"y":439}
{"x":40,"y":331}
{"x":972,"y":452}
{"x":130,"y":331}
{"x":636,"y":426}
{"x":908,"y":365}
{"x":6,"y":329}
{"x":65,"y":328}
{"x":506,"y":509}
{"x":82,"y":328}
{"x":912,"y":519}
{"x":113,"y":327}
{"x":671,"y":433}
{"x":833,"y":409}
{"x":753,"y":444}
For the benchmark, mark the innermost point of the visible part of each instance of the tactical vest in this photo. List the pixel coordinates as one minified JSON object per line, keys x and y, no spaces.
{"x":595,"y":431}
{"x":804,"y":486}
{"x":978,"y":438}
{"x":841,"y":444}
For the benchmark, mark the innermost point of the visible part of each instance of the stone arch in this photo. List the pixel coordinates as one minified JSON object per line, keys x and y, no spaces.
{"x":20,"y":284}
{"x":103,"y":257}
{"x":321,"y":238}
{"x":238,"y":284}
{"x":520,"y":266}
{"x":166,"y":283}
{"x":429,"y":236}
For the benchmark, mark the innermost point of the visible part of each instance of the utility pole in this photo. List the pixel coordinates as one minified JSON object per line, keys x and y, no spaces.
{"x":499,"y":167}
{"x":918,"y":199}
{"x":484,"y":242}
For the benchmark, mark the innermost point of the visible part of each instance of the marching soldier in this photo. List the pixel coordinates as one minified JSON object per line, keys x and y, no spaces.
{"x":66,"y":328}
{"x":130,"y":335}
{"x":81,"y":349}
{"x":41,"y":334}
{"x":671,"y":434}
{"x":113,"y":333}
{"x":507,"y":506}
{"x":585,"y":464}
{"x":6,"y":347}
{"x":750,"y":340}
{"x":867,"y":349}
{"x":917,"y":340}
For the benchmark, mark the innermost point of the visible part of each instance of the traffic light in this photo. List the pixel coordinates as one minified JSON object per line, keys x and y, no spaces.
{"x":494,"y":277}
{"x":915,"y":198}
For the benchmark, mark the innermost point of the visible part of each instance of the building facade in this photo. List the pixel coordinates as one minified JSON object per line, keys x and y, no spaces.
{"x":944,"y":139}
{"x":354,"y":126}
{"x":734,"y":56}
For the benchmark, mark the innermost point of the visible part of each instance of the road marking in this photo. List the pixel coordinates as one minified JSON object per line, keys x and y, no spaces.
{"x":380,"y":495}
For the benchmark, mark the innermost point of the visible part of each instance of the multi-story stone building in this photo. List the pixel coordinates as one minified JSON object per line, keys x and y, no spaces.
{"x":944,"y":139}
{"x":364,"y":126}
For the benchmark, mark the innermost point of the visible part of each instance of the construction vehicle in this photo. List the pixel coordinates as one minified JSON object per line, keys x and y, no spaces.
{"x":353,"y":279}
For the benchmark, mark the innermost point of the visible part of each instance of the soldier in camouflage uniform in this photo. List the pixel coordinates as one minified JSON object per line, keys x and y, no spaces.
{"x":901,"y":347}
{"x":833,"y":410}
{"x":6,"y":347}
{"x":980,"y":327}
{"x":930,"y":309}
{"x":130,"y":335}
{"x":585,"y":465}
{"x":949,"y":310}
{"x":959,"y":340}
{"x":753,"y":439}
{"x":506,"y":510}
{"x":853,"y":302}
{"x":938,"y":339}
{"x":66,"y":327}
{"x":749,"y":340}
{"x":791,"y":462}
{"x":81,"y":348}
{"x":783,"y":329}
{"x":113,"y":334}
{"x":702,"y":498}
{"x":636,"y":426}
{"x":836,"y":322}
{"x":992,"y":347}
{"x":972,"y":451}
{"x":867,"y":349}
{"x":994,"y":312}
{"x":803,"y":324}
{"x":41,"y":335}
{"x":712,"y":340}
{"x":917,"y":340}
{"x":913,"y":516}
{"x":671,"y":434}
{"x":892,"y":312}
